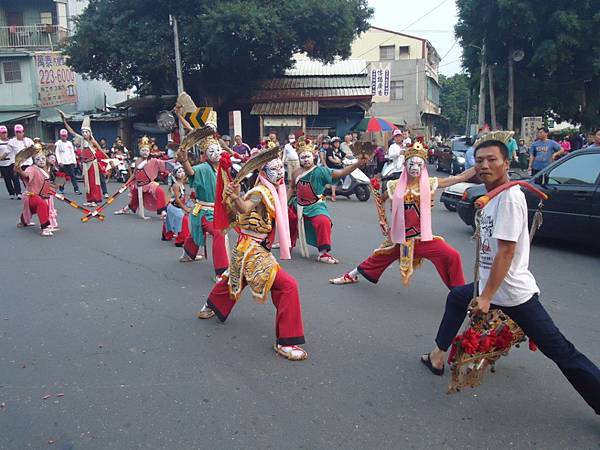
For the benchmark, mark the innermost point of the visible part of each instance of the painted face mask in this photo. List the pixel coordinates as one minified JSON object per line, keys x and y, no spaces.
{"x":40,"y":160}
{"x":306,"y":159}
{"x":213,"y":152}
{"x":180,"y":173}
{"x":52,"y":159}
{"x":86,"y":133}
{"x":415,"y":166}
{"x":274,"y":171}
{"x":144,"y":152}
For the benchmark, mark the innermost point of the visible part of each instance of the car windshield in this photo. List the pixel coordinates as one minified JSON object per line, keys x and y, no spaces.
{"x":459,"y":146}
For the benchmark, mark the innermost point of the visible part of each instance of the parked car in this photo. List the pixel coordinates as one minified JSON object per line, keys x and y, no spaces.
{"x":572,"y":211}
{"x":452,"y":159}
{"x":453,"y":194}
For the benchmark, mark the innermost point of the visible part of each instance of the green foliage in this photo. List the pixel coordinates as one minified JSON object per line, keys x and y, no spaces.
{"x":560,"y":74}
{"x":226,"y":46}
{"x":454,"y":101}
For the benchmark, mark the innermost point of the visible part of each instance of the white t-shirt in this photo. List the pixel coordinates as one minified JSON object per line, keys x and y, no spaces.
{"x":289,"y":153}
{"x":65,"y":153}
{"x":505,"y":218}
{"x":15,"y":146}
{"x":5,"y":151}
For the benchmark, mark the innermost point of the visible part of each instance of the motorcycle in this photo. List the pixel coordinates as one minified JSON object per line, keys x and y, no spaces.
{"x":392,"y":170}
{"x":357,"y":183}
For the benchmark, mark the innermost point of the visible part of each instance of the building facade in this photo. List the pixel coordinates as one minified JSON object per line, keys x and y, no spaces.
{"x":34,"y":77}
{"x":414,"y":90}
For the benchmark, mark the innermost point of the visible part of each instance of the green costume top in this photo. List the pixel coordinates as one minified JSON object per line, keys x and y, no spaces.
{"x":204,"y":183}
{"x":310,"y":189}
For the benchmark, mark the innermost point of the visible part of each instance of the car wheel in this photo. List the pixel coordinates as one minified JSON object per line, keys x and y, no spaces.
{"x":362,"y":192}
{"x":449,"y":206}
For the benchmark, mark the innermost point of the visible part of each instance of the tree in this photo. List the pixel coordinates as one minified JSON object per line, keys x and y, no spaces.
{"x":560,"y":74}
{"x":454,"y":97}
{"x":226,"y":46}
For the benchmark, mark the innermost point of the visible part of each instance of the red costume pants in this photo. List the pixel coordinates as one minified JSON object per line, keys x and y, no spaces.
{"x":160,"y":200}
{"x":284,"y":293}
{"x":446,"y":260}
{"x":219,"y":253}
{"x":95,"y":192}
{"x":321,"y":224}
{"x":181,"y":236}
{"x":39,"y":206}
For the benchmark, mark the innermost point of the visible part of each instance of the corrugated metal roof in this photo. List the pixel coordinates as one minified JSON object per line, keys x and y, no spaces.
{"x":306,"y":108}
{"x":307,"y":68}
{"x":305,"y":94}
{"x":316,"y":82}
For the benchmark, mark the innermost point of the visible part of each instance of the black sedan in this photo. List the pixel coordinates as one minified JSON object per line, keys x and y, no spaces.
{"x":572,"y":211}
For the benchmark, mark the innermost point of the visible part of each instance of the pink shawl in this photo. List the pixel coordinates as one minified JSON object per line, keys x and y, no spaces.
{"x":398,"y":230}
{"x":281,"y":216}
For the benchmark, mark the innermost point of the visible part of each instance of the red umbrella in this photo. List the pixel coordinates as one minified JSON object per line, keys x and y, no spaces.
{"x":375,"y":124}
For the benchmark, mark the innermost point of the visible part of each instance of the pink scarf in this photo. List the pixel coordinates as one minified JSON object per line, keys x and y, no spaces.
{"x":281,"y":216}
{"x":398,"y":230}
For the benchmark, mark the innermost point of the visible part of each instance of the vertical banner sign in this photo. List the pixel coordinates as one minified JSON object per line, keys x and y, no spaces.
{"x":56,"y":81}
{"x":529,"y":127}
{"x":380,"y":82}
{"x":235,"y":123}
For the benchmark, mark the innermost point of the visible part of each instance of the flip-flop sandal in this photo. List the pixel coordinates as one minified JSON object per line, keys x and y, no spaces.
{"x":429,"y":365}
{"x":206,"y":313}
{"x":289,"y":355}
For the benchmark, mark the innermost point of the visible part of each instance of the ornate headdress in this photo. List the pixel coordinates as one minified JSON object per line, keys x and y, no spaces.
{"x":416,"y":149}
{"x":144,"y":143}
{"x":502,"y":136}
{"x":86,"y":124}
{"x":304,"y":146}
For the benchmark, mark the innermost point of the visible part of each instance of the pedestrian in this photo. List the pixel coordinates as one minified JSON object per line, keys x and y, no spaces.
{"x":240,"y":147}
{"x":19,"y":142}
{"x":290,"y":157}
{"x":523,"y":155}
{"x":322,"y":161}
{"x":543,"y":151}
{"x":506,"y":282}
{"x":66,"y":159}
{"x":333,"y":159}
{"x":469,"y":154}
{"x":346,"y":146}
{"x":596,"y":140}
{"x":7,"y":166}
{"x":565,"y":143}
{"x":379,"y":156}
{"x":513,"y":149}
{"x":226,"y":140}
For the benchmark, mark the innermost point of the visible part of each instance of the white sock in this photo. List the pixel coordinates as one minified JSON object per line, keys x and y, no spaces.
{"x":354,"y":272}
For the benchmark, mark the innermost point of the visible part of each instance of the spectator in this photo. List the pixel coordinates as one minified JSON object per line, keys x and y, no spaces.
{"x":273,"y":138}
{"x":18,"y":143}
{"x":333,"y":159}
{"x":227,"y":140}
{"x":323,"y":151}
{"x":407,"y":141}
{"x":240,"y":147}
{"x":7,"y":166}
{"x":118,"y":145}
{"x":395,"y":153}
{"x":290,"y":157}
{"x":470,"y":155}
{"x":354,"y":137}
{"x":543,"y":151}
{"x":596,"y":142}
{"x":103,"y":145}
{"x":347,"y":145}
{"x":66,"y":159}
{"x":523,"y":155}
{"x":379,"y":156}
{"x":565,"y":143}
{"x":513,"y":148}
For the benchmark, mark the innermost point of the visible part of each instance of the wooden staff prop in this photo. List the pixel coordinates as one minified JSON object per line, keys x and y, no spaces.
{"x":108,"y":201}
{"x":75,"y":205}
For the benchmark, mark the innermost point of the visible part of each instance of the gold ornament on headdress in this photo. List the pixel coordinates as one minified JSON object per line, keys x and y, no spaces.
{"x":502,"y":136}
{"x":416,"y":149}
{"x":144,"y":143}
{"x":304,"y":146}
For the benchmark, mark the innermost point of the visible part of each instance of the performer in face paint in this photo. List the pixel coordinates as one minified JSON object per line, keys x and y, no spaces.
{"x":145,"y":173}
{"x":261,"y":214}
{"x":410,"y":237}
{"x":310,"y":221}
{"x":177,"y":223}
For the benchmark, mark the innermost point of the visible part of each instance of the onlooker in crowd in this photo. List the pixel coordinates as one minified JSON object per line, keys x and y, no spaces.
{"x":240,"y":147}
{"x":407,"y":141}
{"x":395,"y":151}
{"x":523,"y":155}
{"x":273,"y":138}
{"x":333,"y":158}
{"x":66,"y":159}
{"x":596,"y":142}
{"x":227,"y":140}
{"x":355,"y":137}
{"x":347,"y":145}
{"x":7,"y":166}
{"x":290,"y":157}
{"x":171,"y":148}
{"x":323,"y":151}
{"x":379,"y":157}
{"x":565,"y":143}
{"x":513,"y":148}
{"x":103,"y":145}
{"x":470,"y":155}
{"x":543,"y":151}
{"x":18,"y":143}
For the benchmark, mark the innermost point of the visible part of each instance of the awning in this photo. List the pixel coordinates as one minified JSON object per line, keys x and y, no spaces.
{"x":300,"y":108}
{"x":13,"y":116}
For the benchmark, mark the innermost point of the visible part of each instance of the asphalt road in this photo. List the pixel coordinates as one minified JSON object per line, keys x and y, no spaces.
{"x":104,"y":314}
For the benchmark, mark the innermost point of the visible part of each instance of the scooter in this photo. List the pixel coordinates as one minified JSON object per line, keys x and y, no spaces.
{"x":391,"y":170}
{"x":357,"y":183}
{"x":250,"y":179}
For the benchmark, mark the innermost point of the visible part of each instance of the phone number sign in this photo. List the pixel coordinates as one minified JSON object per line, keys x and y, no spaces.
{"x":56,"y":81}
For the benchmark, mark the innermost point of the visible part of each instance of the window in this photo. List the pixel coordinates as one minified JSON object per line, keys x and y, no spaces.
{"x":579,"y":170}
{"x":46,"y":18}
{"x":386,"y":51}
{"x":397,"y":90}
{"x":403,"y":51}
{"x":12,"y":72}
{"x":433,"y":91}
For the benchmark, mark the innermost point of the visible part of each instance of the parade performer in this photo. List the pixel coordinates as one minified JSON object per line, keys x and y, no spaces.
{"x":310,"y":222}
{"x":38,"y":188}
{"x":505,"y":281}
{"x":260,"y":219}
{"x":145,"y":192}
{"x":89,"y":151}
{"x":410,"y":237}
{"x":177,"y":210}
{"x":203,"y":180}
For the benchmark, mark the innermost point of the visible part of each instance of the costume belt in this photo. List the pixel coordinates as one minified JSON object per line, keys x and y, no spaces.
{"x":255,"y":236}
{"x":200,"y":205}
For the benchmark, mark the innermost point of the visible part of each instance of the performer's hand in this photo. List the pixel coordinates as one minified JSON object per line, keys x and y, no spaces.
{"x":233,"y":191}
{"x":482,"y":306}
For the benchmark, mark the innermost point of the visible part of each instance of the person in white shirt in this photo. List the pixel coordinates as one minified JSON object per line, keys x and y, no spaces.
{"x":19,"y":142}
{"x":507,"y":283}
{"x":407,"y":141}
{"x":290,"y":157}
{"x":7,"y":166}
{"x":66,"y":159}
{"x":395,"y":154}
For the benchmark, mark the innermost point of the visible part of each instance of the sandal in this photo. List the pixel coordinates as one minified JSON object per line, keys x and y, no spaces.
{"x":344,"y":279}
{"x":291,"y":352}
{"x":429,"y":365}
{"x":206,"y":312}
{"x":327,"y":259}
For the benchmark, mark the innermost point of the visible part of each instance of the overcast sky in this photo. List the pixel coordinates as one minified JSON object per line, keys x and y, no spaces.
{"x":436,"y":26}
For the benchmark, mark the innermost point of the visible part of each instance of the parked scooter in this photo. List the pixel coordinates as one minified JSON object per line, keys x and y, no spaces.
{"x":391,"y":170}
{"x":357,"y":183}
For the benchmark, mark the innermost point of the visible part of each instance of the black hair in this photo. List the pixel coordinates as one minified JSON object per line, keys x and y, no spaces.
{"x":493,"y":143}
{"x":544,"y":129}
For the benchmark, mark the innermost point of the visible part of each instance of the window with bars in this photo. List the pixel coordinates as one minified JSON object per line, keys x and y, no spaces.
{"x":404,"y":51}
{"x":386,"y":51}
{"x":12,"y":71}
{"x":397,"y":90}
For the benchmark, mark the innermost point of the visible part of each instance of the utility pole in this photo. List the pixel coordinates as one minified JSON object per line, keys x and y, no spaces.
{"x":511,"y":91}
{"x":482,"y":74}
{"x":492,"y":99}
{"x":468,"y":124}
{"x":180,"y":89}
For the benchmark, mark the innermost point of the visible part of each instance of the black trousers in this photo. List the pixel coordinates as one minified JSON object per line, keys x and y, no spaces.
{"x":69,"y":169}
{"x":11,"y":179}
{"x":539,"y":327}
{"x":103,"y":183}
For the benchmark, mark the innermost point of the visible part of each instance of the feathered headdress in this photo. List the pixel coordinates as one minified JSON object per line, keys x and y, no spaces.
{"x":502,"y":136}
{"x":28,"y":152}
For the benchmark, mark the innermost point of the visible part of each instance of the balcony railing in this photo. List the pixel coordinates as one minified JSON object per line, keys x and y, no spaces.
{"x":32,"y":36}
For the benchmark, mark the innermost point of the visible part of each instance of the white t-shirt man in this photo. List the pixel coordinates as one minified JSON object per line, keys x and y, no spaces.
{"x":5,"y":151}
{"x":289,"y":153}
{"x":15,"y":146}
{"x":65,"y":152}
{"x":396,"y":154}
{"x":505,"y":218}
